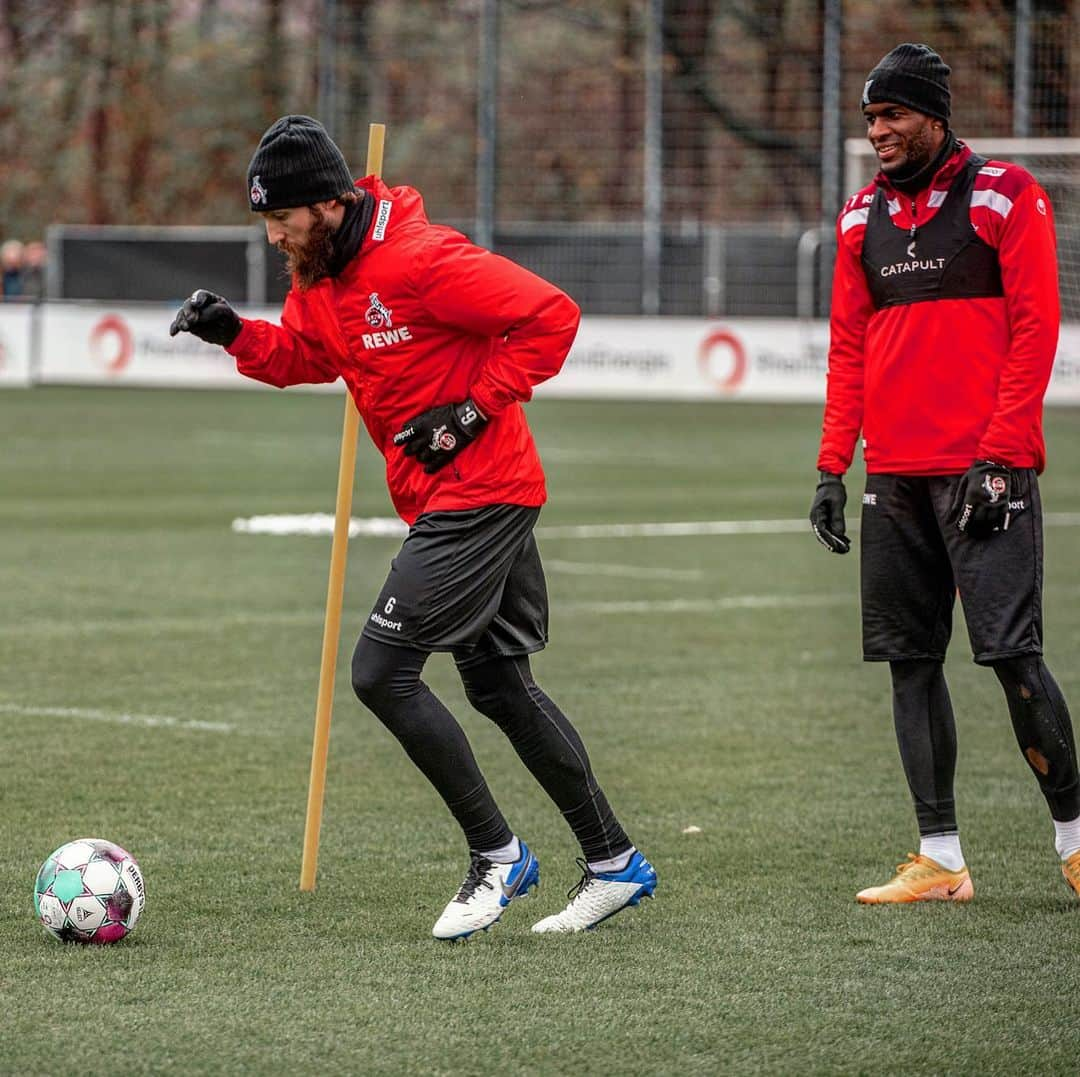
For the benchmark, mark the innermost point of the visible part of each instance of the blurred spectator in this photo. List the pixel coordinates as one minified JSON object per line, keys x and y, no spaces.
{"x":11,"y":260}
{"x":33,"y":270}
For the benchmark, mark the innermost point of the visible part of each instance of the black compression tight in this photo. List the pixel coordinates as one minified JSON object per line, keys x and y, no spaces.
{"x":926,"y":736}
{"x":1043,"y":729}
{"x":387,"y":680}
{"x":503,"y":690}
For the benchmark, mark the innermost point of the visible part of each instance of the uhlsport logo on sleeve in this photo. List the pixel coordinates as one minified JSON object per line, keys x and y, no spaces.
{"x":382,"y":219}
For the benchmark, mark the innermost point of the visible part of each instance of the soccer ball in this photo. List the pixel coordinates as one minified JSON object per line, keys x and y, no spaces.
{"x":89,"y":890}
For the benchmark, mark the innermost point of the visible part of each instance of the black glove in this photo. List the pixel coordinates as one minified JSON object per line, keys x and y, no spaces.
{"x":209,"y":317}
{"x":436,"y":436}
{"x":827,"y":513}
{"x":981,"y":504}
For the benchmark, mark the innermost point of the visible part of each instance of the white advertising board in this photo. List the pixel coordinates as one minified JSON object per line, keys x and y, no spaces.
{"x":1064,"y":385}
{"x":612,"y":358}
{"x":95,"y":344}
{"x":694,"y":359}
{"x":16,"y":339}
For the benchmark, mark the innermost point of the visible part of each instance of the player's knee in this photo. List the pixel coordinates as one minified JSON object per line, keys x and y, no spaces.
{"x":913,"y":677}
{"x":496,"y":689}
{"x":1021,"y":675}
{"x":380,"y":677}
{"x":490,"y":700}
{"x":369,"y":684}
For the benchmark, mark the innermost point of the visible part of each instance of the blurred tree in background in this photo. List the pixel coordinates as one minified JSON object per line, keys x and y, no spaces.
{"x":147,"y":111}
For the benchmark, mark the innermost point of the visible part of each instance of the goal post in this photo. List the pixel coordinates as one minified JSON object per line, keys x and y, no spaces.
{"x":1054,"y":162}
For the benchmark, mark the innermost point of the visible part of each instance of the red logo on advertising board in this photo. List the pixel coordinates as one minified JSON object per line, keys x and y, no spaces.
{"x":722,"y":360}
{"x":111,"y":343}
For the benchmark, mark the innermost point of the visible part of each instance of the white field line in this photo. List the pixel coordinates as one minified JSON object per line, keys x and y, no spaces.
{"x":318,"y":523}
{"x":158,"y":625}
{"x":144,"y":625}
{"x":707,"y":605}
{"x":634,"y":572}
{"x":674,"y":529}
{"x":615,"y":608}
{"x":152,"y":721}
{"x":322,"y":523}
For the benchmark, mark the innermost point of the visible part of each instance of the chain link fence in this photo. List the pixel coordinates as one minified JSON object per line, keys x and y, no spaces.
{"x":534,"y":128}
{"x":671,"y":156}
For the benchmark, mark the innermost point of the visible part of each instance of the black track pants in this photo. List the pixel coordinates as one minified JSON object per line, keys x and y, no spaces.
{"x":387,"y":680}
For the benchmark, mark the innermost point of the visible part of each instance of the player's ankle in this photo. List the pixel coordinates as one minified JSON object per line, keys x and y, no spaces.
{"x":943,"y":849}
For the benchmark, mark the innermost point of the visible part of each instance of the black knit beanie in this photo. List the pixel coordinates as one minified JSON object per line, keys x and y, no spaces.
{"x":296,"y":164}
{"x":912,"y":75}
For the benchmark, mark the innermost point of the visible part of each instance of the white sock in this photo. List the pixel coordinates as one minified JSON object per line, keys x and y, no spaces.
{"x":616,"y":863}
{"x":505,"y":854}
{"x":944,"y":848}
{"x":1067,"y":838}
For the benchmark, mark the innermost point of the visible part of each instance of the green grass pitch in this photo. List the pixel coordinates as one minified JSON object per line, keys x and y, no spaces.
{"x":716,"y":680}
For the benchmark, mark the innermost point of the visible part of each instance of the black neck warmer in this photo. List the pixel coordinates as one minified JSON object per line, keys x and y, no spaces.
{"x":919,"y":177}
{"x":350,"y":235}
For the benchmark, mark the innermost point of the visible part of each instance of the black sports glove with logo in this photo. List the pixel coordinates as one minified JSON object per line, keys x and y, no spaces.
{"x":827,"y":513}
{"x":209,"y":317}
{"x":981,"y":503}
{"x":436,"y":436}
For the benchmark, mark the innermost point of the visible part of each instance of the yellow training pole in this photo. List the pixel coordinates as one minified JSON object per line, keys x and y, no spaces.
{"x":334,"y":595}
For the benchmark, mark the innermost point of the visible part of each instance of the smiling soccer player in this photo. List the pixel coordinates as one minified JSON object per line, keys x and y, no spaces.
{"x":943,"y":332}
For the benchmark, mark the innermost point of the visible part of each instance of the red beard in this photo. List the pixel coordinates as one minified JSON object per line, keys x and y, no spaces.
{"x":310,"y":262}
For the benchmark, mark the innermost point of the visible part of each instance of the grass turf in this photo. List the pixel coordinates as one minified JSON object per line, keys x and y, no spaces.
{"x":716,"y":681}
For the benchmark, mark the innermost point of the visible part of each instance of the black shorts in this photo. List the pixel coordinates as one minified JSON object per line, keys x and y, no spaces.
{"x":466,"y":581}
{"x":914,"y":562}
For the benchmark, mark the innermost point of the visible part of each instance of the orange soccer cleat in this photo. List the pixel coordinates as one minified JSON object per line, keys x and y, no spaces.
{"x":1071,"y":870}
{"x":922,"y":879}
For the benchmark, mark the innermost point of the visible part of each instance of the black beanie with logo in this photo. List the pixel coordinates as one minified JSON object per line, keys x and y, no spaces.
{"x":912,"y":75}
{"x":296,"y":164}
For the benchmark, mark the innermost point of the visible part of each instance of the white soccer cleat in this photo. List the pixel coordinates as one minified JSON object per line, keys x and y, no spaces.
{"x":487,"y":890}
{"x":601,"y":895}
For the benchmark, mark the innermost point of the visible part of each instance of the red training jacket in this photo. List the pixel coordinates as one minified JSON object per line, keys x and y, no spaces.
{"x":422,"y":317}
{"x":934,"y":386}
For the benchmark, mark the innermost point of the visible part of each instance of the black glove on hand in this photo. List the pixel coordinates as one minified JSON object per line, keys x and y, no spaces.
{"x":827,"y":513}
{"x":436,"y":436}
{"x":209,"y":317}
{"x":981,"y":504}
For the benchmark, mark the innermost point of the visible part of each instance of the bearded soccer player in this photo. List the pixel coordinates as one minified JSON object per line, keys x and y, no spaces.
{"x":439,"y":342}
{"x":944,"y":328}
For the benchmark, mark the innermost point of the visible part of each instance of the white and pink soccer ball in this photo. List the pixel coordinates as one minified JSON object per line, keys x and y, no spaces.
{"x":89,"y":890}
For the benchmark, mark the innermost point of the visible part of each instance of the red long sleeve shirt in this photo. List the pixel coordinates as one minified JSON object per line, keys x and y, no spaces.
{"x":422,"y":317}
{"x":935,"y":385}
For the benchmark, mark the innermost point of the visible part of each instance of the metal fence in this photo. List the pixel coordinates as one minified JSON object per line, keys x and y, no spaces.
{"x":672,"y":156}
{"x":669,"y":156}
